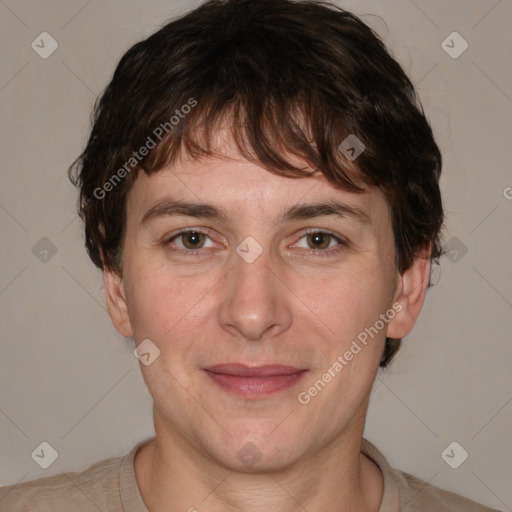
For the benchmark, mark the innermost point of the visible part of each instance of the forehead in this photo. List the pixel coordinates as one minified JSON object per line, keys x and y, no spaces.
{"x":233,"y":185}
{"x":235,"y":191}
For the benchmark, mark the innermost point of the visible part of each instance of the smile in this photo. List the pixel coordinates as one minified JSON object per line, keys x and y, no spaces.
{"x":254,"y":382}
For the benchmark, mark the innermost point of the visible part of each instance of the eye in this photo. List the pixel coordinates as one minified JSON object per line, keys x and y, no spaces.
{"x":188,"y":241}
{"x":321,"y":242}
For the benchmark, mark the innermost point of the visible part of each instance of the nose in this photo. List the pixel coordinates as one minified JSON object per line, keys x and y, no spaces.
{"x":256,"y":303}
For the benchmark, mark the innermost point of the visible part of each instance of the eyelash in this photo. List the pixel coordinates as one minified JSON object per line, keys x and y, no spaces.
{"x":314,"y":252}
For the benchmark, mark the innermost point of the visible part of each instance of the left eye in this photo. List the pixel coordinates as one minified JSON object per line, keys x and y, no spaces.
{"x":319,"y":240}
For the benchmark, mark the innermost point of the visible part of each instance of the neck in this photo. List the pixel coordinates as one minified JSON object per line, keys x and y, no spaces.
{"x":172,"y":476}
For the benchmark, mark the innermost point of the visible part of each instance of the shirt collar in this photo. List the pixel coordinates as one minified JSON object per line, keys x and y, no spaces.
{"x":391,"y":493}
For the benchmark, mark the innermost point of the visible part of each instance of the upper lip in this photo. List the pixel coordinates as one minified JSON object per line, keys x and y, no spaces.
{"x":242,"y":370}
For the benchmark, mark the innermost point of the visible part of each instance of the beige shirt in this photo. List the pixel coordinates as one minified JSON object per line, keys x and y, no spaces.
{"x":110,"y":486}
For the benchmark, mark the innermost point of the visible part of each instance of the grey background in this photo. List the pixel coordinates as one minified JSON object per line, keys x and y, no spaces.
{"x":66,"y":376}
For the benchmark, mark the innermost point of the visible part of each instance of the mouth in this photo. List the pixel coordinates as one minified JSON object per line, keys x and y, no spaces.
{"x":254,"y":381}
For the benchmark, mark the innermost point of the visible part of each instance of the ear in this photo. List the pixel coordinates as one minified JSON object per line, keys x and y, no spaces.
{"x":409,"y":295}
{"x":116,"y":302}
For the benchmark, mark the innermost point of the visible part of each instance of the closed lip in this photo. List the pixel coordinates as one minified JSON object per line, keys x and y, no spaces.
{"x":242,"y":370}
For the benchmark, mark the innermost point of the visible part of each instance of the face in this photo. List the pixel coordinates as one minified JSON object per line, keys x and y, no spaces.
{"x":255,"y":295}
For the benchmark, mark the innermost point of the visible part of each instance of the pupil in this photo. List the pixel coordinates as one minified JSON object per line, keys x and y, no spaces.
{"x":193,"y":238}
{"x":318,"y":238}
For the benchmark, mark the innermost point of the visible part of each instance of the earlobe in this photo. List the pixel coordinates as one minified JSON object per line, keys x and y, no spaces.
{"x":410,"y":295}
{"x":116,"y":302}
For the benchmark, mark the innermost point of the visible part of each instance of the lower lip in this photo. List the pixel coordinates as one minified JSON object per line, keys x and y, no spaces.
{"x":255,"y":387}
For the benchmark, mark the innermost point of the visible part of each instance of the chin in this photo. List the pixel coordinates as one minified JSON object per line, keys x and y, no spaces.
{"x":256,"y":446}
{"x":250,"y":458}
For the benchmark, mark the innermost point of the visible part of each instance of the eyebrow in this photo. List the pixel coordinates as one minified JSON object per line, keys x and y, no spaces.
{"x":170,"y":208}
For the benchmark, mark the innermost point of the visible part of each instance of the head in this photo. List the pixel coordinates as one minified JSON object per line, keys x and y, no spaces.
{"x":256,"y":106}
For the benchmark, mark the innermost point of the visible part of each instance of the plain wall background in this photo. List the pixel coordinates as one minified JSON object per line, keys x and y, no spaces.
{"x":67,"y":377}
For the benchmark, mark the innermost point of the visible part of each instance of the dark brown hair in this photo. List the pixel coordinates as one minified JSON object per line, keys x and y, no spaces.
{"x":293,"y":78}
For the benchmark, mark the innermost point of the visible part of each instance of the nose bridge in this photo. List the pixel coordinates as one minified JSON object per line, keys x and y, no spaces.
{"x":253,"y":302}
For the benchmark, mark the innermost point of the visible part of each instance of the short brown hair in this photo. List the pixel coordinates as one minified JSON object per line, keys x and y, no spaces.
{"x":294,"y":77}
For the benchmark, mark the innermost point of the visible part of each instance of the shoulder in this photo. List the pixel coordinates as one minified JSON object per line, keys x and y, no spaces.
{"x":91,"y":489}
{"x":419,"y":496}
{"x":406,"y":493}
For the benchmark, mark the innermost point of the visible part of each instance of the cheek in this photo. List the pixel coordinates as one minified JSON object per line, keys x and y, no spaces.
{"x":165,"y":307}
{"x":154,"y":302}
{"x":350,"y":302}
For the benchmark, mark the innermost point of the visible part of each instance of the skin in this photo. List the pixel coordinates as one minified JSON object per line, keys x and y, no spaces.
{"x":288,"y":307}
